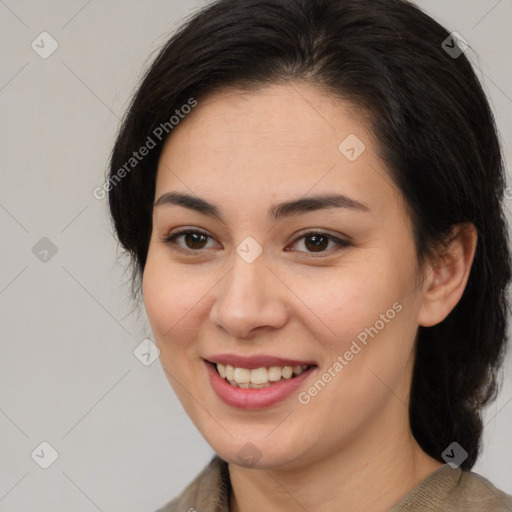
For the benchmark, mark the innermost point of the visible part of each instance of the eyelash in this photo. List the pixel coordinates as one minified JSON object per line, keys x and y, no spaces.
{"x":171,"y":239}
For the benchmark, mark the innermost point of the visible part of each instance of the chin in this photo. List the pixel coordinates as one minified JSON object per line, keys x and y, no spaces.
{"x":258,"y":451}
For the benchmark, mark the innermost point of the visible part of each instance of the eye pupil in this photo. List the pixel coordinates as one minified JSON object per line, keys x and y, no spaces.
{"x":195,"y":242}
{"x":318,"y":242}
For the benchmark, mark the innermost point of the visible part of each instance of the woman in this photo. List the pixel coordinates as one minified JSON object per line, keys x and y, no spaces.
{"x":311,"y":194}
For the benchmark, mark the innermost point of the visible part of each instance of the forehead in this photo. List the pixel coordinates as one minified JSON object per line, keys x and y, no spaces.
{"x":299,"y":118}
{"x":276,"y":142}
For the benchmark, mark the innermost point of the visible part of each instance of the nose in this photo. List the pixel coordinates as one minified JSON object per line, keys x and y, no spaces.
{"x":250,"y":297}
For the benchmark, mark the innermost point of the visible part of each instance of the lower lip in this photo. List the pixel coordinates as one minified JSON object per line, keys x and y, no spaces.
{"x":245,"y":398}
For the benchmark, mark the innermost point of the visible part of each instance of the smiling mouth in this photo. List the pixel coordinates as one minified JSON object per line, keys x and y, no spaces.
{"x":258,"y":378}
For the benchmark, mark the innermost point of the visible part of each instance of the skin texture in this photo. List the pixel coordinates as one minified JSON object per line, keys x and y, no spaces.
{"x":350,"y":448}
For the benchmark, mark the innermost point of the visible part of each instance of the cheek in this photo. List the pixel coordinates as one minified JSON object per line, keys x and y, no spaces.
{"x":169,"y":298}
{"x":348,"y":302}
{"x":374,"y":324}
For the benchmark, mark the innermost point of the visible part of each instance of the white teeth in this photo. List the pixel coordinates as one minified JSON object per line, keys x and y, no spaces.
{"x":274,"y":373}
{"x":258,"y":377}
{"x":287,"y":372}
{"x":242,"y":375}
{"x":258,"y":386}
{"x":230,"y":372}
{"x":297,"y":370}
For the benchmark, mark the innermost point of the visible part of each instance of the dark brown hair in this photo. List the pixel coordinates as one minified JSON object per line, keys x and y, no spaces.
{"x":436,"y":133}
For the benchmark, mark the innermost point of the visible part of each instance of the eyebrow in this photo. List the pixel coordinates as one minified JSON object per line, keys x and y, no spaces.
{"x":276,"y":212}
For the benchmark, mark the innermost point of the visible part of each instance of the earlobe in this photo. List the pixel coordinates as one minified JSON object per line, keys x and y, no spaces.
{"x":446,"y":277}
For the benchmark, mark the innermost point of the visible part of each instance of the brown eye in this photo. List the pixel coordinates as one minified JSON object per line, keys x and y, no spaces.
{"x":316,"y":243}
{"x":195,"y":240}
{"x":192,"y":240}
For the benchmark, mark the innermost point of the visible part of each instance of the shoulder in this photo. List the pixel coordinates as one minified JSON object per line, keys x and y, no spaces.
{"x":474,"y":492}
{"x":208,"y":491}
{"x":454,"y":490}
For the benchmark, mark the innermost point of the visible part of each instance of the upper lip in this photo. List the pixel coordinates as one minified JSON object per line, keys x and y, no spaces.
{"x":256,"y":361}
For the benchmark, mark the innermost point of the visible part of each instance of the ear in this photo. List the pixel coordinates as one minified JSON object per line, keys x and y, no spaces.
{"x":445,"y":278}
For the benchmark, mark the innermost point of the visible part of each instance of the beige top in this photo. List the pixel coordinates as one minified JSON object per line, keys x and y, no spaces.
{"x":444,"y":490}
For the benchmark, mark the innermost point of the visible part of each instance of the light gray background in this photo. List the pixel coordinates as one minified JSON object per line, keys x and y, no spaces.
{"x":68,"y":374}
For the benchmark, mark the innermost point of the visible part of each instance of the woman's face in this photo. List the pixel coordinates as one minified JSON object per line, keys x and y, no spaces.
{"x":263,"y":280}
